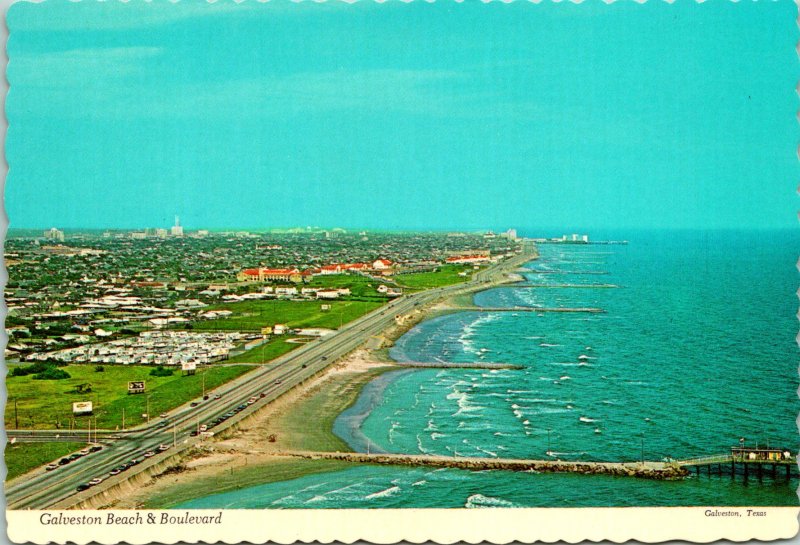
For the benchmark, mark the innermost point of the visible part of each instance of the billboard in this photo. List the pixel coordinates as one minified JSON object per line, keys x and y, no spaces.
{"x":136,"y":387}
{"x":82,"y":407}
{"x":188,"y":366}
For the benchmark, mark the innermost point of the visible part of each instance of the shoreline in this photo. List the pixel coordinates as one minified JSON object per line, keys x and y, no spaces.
{"x":250,"y":454}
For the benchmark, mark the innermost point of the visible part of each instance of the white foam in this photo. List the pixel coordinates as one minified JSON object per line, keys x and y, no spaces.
{"x":384,"y":493}
{"x":477,"y":501}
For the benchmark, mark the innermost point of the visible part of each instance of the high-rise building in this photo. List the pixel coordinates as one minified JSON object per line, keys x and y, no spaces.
{"x":177,"y":230}
{"x":54,"y":234}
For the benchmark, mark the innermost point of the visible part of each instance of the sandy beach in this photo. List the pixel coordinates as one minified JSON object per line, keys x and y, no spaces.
{"x":302,"y":419}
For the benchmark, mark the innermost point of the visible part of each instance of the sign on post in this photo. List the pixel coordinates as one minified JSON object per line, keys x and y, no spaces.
{"x":189,"y":367}
{"x":136,"y":387}
{"x":82,"y":408}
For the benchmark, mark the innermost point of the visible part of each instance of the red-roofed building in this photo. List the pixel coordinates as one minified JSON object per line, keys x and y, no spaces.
{"x":266,"y":275}
{"x":381,"y":264}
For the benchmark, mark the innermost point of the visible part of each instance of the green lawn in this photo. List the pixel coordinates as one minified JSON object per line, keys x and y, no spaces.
{"x":360,"y":286}
{"x":47,"y":404}
{"x":253,"y":315}
{"x":22,"y":457}
{"x":266,"y":352}
{"x":445,"y":275}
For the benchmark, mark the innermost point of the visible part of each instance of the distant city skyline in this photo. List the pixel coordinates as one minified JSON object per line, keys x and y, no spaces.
{"x":528,"y":116}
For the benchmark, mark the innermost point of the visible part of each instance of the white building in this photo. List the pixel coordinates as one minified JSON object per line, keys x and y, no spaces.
{"x":177,"y":229}
{"x":54,"y":234}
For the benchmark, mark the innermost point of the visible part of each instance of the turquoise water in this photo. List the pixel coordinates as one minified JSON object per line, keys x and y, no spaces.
{"x":695,"y":350}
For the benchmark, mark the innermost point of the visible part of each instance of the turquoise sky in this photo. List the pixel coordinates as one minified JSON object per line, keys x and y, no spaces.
{"x":432,"y":116}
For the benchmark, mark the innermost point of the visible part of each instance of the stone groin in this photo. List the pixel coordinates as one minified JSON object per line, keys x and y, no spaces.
{"x":646,"y":470}
{"x":454,"y":365}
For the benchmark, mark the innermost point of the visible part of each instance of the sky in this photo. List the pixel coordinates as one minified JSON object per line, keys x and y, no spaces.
{"x":402,"y":115}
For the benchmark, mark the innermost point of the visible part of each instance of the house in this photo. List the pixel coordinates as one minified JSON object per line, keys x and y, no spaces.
{"x":328,"y":294}
{"x":381,"y":264}
{"x":383,"y":288}
{"x":285,"y":291}
{"x":280,"y":329}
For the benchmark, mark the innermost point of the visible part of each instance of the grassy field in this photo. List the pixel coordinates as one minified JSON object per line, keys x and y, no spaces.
{"x":253,"y":315}
{"x":22,"y":457}
{"x":360,"y":286}
{"x":266,"y":352}
{"x":445,"y":275}
{"x":47,"y":404}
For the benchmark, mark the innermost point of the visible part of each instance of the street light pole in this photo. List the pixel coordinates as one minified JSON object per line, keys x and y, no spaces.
{"x":16,"y":415}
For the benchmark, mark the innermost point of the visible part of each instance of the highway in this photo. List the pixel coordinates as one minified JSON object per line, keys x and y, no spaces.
{"x":43,"y":489}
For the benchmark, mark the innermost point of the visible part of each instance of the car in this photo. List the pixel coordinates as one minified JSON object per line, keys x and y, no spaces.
{"x":51,"y":467}
{"x":73,"y":457}
{"x":95,"y":481}
{"x":194,"y":404}
{"x":95,"y":448}
{"x":253,"y":399}
{"x":162,"y":447}
{"x":163,"y":415}
{"x":115,"y":471}
{"x":203,"y":427}
{"x":82,"y":487}
{"x":263,"y":394}
{"x":84,"y":452}
{"x":278,"y":381}
{"x":217,"y":396}
{"x":205,"y":397}
{"x":163,"y":424}
{"x":149,"y":454}
{"x":304,"y":365}
{"x":64,"y":461}
{"x":134,"y":462}
{"x":193,"y":433}
{"x":324,"y":358}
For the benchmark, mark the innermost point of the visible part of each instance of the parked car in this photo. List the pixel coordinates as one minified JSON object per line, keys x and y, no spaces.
{"x":149,"y":454}
{"x":64,"y":461}
{"x":217,"y":396}
{"x":193,"y":433}
{"x":73,"y":457}
{"x":163,"y":424}
{"x":95,"y":481}
{"x":163,"y":415}
{"x":85,"y":451}
{"x":115,"y":471}
{"x":162,"y":447}
{"x":194,"y":404}
{"x":82,"y":487}
{"x":205,"y":397}
{"x":51,"y":467}
{"x":203,"y":427}
{"x":95,"y":448}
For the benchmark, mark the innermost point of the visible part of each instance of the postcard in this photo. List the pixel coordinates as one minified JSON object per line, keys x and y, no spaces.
{"x":401,"y":271}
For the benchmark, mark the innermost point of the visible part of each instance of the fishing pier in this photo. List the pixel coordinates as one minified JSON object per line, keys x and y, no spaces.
{"x":745,"y":461}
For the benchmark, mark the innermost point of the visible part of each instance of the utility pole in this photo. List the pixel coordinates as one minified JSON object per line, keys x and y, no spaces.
{"x":642,"y":448}
{"x":147,"y":409}
{"x":16,"y":415}
{"x":89,"y":432}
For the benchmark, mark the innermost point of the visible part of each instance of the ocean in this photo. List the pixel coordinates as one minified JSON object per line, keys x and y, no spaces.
{"x":694,"y":350}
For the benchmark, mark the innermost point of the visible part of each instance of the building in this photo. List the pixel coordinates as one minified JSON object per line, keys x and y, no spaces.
{"x":54,"y":234}
{"x":177,"y":229}
{"x":753,"y":454}
{"x":271,"y":275}
{"x":162,"y":233}
{"x":381,"y":264}
{"x":469,"y":258}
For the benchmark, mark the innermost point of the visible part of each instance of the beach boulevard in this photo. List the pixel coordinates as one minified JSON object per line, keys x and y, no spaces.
{"x":295,"y":373}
